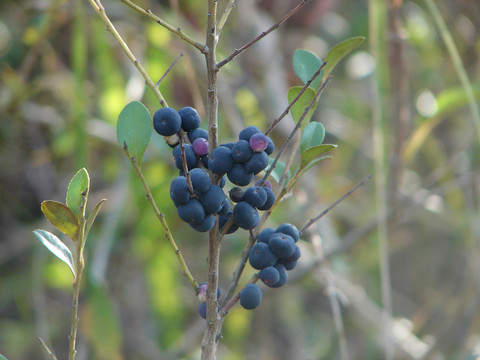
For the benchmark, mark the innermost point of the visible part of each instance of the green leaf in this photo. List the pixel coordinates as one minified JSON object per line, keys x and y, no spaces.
{"x":92,"y":216}
{"x":338,"y":52}
{"x":305,"y":65}
{"x":277,"y":172}
{"x":134,"y":129}
{"x":79,"y":183}
{"x":312,"y":135}
{"x":56,"y":247}
{"x":62,"y":217}
{"x":101,"y":325}
{"x":2,"y":357}
{"x":311,"y":154}
{"x":298,"y":109}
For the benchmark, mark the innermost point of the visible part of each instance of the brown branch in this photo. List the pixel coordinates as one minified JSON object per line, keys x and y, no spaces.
{"x":262,"y":35}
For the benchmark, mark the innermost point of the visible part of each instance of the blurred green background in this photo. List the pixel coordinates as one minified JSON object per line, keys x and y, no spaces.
{"x":397,"y":107}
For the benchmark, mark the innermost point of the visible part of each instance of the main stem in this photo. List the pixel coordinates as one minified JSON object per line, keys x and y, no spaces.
{"x":209,"y":342}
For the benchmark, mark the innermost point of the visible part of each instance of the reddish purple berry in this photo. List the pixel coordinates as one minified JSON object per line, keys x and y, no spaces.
{"x":258,"y":142}
{"x":200,"y":146}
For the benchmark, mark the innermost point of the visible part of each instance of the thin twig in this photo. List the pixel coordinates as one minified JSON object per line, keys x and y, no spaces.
{"x":225,"y":15}
{"x":262,"y":35}
{"x":335,"y":203}
{"x":287,"y":110}
{"x":169,"y":69}
{"x":295,"y":129}
{"x":161,"y":217}
{"x":47,"y":349}
{"x":176,"y":30}
{"x":97,"y":6}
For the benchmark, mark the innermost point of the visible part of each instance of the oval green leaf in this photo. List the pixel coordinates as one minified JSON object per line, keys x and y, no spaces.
{"x":79,"y":184}
{"x":338,"y":52}
{"x":62,"y":217}
{"x":311,"y":154}
{"x":134,"y":129}
{"x":312,"y":135}
{"x":2,"y":357}
{"x":298,"y":108}
{"x":305,"y":65}
{"x":56,"y":247}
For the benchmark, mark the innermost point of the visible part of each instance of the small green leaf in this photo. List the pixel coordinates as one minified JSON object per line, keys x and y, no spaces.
{"x":312,"y":153}
{"x":79,"y":183}
{"x":92,"y":216}
{"x":62,"y":217}
{"x":305,"y":65}
{"x":56,"y":247}
{"x":2,"y":357}
{"x":338,"y":52}
{"x":134,"y":129}
{"x":298,"y":109}
{"x":312,"y":135}
{"x":277,"y":172}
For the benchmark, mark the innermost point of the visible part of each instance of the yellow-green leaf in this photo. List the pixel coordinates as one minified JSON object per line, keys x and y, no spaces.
{"x":298,"y":109}
{"x":62,"y":217}
{"x":338,"y":52}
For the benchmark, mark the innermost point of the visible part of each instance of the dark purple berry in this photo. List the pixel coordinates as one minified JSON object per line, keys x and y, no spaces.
{"x":190,"y":118}
{"x":251,"y":296}
{"x":257,"y":163}
{"x":270,"y":200}
{"x":289,"y":229}
{"x":255,"y":196}
{"x":222,"y":220}
{"x":192,"y":212}
{"x":281,"y":245}
{"x":247,"y":133}
{"x":202,"y":310}
{"x":261,"y":256}
{"x":241,"y":151}
{"x":167,"y":121}
{"x":228,"y":145}
{"x":265,"y":183}
{"x":258,"y":142}
{"x":265,"y":234}
{"x":200,"y":180}
{"x":206,"y":224}
{"x":245,"y":215}
{"x":200,"y":146}
{"x":179,"y":191}
{"x":196,"y":134}
{"x":222,"y":182}
{"x":239,"y":175}
{"x":212,"y":200}
{"x":269,"y":276}
{"x":283,"y":275}
{"x":225,"y":207}
{"x":270,"y":147}
{"x":189,"y":155}
{"x":236,"y":194}
{"x":220,"y":160}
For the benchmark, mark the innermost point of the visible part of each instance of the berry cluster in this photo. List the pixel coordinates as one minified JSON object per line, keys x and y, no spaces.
{"x":274,"y":254}
{"x":199,"y":204}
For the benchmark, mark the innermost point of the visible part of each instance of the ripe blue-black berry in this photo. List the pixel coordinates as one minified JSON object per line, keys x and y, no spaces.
{"x":269,"y":275}
{"x":222,"y":182}
{"x":258,"y":142}
{"x":270,"y":147}
{"x":236,"y":194}
{"x":202,"y":309}
{"x":283,"y":275}
{"x":200,"y":146}
{"x":241,"y":151}
{"x":222,"y":220}
{"x":270,"y":199}
{"x":245,"y":215}
{"x":192,"y":212}
{"x":206,"y":224}
{"x":281,"y":245}
{"x":167,"y":121}
{"x":247,"y":133}
{"x":251,"y":296}
{"x":228,"y":145}
{"x":289,"y":229}
{"x":200,"y":180}
{"x":257,"y":163}
{"x":212,"y":200}
{"x":289,"y":265}
{"x":204,"y":160}
{"x":265,"y":234}
{"x":179,"y":191}
{"x":225,"y":207}
{"x":189,"y":155}
{"x":190,"y":118}
{"x":239,"y":175}
{"x":220,"y":160}
{"x":255,"y":196}
{"x":197,"y":134}
{"x":261,"y":256}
